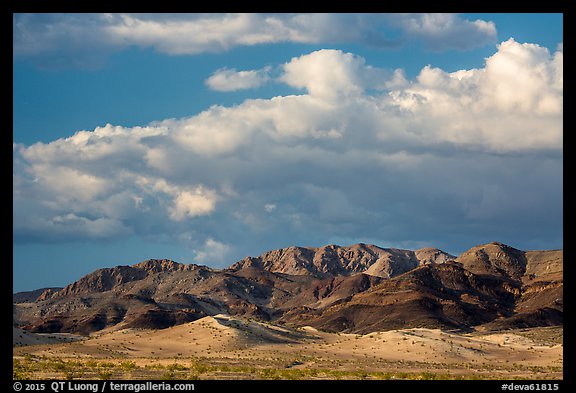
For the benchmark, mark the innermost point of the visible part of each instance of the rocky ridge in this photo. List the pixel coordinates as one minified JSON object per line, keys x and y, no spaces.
{"x":360,"y":288}
{"x":334,"y":260}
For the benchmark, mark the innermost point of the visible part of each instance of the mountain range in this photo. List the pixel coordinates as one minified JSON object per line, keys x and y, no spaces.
{"x":355,"y":289}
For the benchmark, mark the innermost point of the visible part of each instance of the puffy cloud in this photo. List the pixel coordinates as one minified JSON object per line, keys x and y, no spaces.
{"x":192,"y":203}
{"x":473,"y":151}
{"x":186,"y":201}
{"x":84,"y":39}
{"x":514,"y":103}
{"x":331,"y":73}
{"x":523,"y":77}
{"x":213,"y":252}
{"x":226,"y":79}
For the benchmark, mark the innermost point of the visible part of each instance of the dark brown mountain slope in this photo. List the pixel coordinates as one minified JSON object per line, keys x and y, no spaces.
{"x":537,"y":275}
{"x":360,"y":288}
{"x":440,"y":296}
{"x":156,"y":294}
{"x":495,"y":258}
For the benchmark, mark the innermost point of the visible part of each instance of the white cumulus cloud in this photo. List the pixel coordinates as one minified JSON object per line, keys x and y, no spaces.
{"x":332,"y":73}
{"x":191,"y":204}
{"x":514,"y":103}
{"x":472,"y":151}
{"x":212,"y":252}
{"x":226,"y":79}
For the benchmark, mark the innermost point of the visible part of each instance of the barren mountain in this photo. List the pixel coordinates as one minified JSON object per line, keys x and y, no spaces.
{"x":31,"y":296}
{"x":360,"y":288}
{"x":494,"y":259}
{"x":332,"y":260}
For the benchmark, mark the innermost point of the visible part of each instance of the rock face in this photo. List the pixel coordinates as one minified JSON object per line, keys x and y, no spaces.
{"x":333,"y":260}
{"x":107,"y":279}
{"x":495,"y":258}
{"x":32,"y":296}
{"x":360,"y":288}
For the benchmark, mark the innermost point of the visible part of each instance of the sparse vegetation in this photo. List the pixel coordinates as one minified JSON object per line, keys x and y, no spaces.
{"x":423,"y":355}
{"x":31,"y":367}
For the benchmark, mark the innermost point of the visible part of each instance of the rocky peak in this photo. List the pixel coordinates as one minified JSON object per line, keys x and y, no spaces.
{"x":246,"y":263}
{"x":333,"y":260}
{"x":430,"y":255}
{"x":101,"y":280}
{"x":47,"y":294}
{"x":336,"y":285}
{"x":32,"y":296}
{"x":391,"y":262}
{"x":159,"y":265}
{"x":494,"y":258}
{"x":291,"y":260}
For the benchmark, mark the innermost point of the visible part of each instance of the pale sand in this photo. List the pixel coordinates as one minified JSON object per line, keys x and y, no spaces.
{"x":222,"y":338}
{"x":23,"y":338}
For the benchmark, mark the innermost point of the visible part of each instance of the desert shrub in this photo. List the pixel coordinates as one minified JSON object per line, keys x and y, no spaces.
{"x":270,"y":373}
{"x":104,"y":374}
{"x":168,"y":375}
{"x":193,"y":376}
{"x":57,"y":365}
{"x":74,"y":374}
{"x":128,"y":365}
{"x":28,"y":357}
{"x":337,"y":374}
{"x":176,"y":367}
{"x":22,"y":370}
{"x":245,"y":369}
{"x":290,"y":374}
{"x":200,"y":368}
{"x":428,"y":375}
{"x":91,"y":363}
{"x":223,"y":368}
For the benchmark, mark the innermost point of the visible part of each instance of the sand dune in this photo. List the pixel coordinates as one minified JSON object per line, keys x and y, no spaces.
{"x":23,"y":338}
{"x":222,"y":339}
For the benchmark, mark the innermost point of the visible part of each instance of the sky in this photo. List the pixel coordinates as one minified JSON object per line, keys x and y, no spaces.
{"x":206,"y":138}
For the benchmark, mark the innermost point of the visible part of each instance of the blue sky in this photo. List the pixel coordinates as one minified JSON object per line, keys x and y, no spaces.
{"x":207,"y":138}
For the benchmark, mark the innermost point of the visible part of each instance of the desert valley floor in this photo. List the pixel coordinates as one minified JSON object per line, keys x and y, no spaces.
{"x":223,"y":347}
